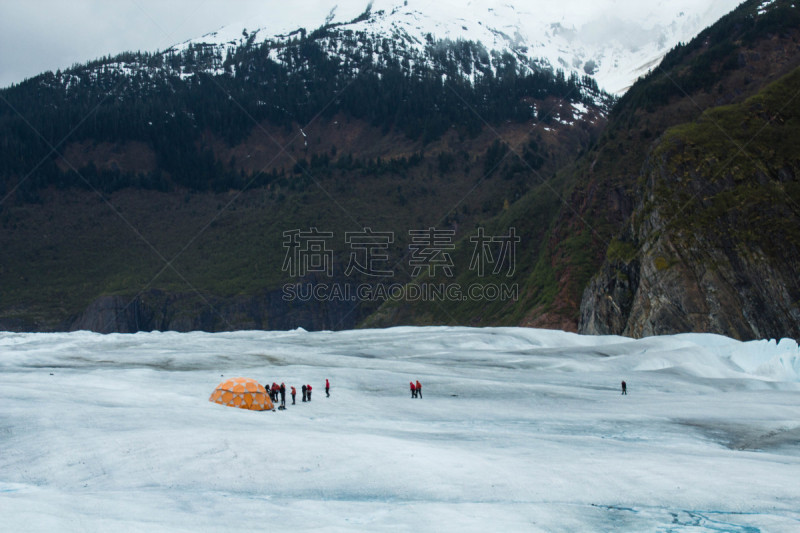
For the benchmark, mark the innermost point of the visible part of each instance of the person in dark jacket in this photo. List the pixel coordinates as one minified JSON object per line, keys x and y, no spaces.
{"x":305,"y":392}
{"x":308,"y":392}
{"x":413,"y":389}
{"x":327,"y":388}
{"x":419,"y":389}
{"x":283,"y":395}
{"x":294,"y":393}
{"x":624,"y":388}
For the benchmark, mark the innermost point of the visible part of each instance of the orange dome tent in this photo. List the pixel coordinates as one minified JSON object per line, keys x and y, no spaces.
{"x":244,"y":393}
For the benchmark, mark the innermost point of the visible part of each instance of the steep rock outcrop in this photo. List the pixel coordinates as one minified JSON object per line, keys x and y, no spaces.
{"x":714,"y":245}
{"x":672,"y":288}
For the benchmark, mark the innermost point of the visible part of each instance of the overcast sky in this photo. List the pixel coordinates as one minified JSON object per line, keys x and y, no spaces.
{"x":39,"y":35}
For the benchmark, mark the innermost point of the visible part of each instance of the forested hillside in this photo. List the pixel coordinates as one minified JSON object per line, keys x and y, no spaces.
{"x":152,"y":190}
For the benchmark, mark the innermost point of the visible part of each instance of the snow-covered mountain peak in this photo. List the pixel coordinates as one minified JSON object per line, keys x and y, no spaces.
{"x":615,"y":41}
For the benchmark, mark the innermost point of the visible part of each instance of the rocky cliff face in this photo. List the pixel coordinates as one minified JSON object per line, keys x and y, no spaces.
{"x":714,"y":245}
{"x":706,"y":286}
{"x":604,"y":202}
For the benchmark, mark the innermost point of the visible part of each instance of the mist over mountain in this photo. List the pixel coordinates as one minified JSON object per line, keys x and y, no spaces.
{"x":615,"y":42}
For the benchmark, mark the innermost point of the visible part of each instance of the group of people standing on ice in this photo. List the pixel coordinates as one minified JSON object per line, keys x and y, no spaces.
{"x":278,"y":393}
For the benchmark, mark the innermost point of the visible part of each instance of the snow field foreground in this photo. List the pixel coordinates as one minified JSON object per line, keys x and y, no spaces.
{"x":518,"y":430}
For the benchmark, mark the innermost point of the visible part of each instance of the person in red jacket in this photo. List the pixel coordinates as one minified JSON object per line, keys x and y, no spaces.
{"x":308,"y":392}
{"x":327,"y":388}
{"x":413,"y":389}
{"x":294,"y":392}
{"x":419,"y":389}
{"x":276,"y":390}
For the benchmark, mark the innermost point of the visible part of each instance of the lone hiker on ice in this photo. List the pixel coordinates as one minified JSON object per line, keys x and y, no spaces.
{"x":413,"y":389}
{"x":305,"y":392}
{"x":294,"y":392}
{"x":624,"y":388}
{"x":327,"y":388}
{"x":419,"y":389}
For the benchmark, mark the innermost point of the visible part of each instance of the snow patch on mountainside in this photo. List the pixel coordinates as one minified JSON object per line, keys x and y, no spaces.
{"x":764,"y":5}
